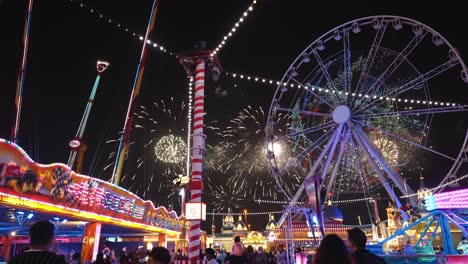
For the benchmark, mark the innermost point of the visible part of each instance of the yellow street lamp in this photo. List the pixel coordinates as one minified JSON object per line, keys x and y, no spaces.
{"x":245,"y":215}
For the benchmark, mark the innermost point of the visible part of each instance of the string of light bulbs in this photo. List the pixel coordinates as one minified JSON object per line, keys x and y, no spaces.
{"x":319,"y":89}
{"x":438,"y":187}
{"x":355,"y":200}
{"x":253,"y":213}
{"x":333,"y":202}
{"x":234,"y":29}
{"x":104,"y":18}
{"x":189,"y":123}
{"x":273,"y":202}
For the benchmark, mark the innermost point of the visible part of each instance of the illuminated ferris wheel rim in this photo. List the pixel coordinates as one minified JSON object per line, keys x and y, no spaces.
{"x":371,"y":20}
{"x":337,"y":33}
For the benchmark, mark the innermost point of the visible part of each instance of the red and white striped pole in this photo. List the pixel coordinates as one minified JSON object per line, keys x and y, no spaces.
{"x":198,"y":149}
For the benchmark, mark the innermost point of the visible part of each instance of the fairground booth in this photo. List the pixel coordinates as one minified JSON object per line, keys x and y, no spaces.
{"x":86,"y":212}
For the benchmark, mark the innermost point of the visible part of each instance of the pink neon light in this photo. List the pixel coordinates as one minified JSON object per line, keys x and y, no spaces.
{"x":452,"y":194}
{"x":447,"y":205}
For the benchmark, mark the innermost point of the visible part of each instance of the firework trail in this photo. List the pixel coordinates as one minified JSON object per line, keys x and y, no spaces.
{"x":157,"y":152}
{"x":230,"y":194}
{"x":158,"y":149}
{"x":243,"y":152}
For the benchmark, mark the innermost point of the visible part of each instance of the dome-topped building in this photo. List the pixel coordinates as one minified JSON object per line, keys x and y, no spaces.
{"x":271,"y":225}
{"x":331,"y":213}
{"x":228,"y":223}
{"x":240,"y":225}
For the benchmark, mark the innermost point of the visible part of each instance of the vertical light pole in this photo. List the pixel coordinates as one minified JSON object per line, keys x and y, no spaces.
{"x":124,"y":142}
{"x":245,"y":215}
{"x":182,"y":201}
{"x":76,"y":143}
{"x":198,"y":149}
{"x":22,"y":69}
{"x":194,"y":63}
{"x":359,"y":219}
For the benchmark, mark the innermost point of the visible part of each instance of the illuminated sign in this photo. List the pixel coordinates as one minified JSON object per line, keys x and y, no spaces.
{"x":271,"y":237}
{"x":114,"y":239}
{"x":57,"y":188}
{"x":195,"y":211}
{"x":74,"y":143}
{"x":150,"y":238}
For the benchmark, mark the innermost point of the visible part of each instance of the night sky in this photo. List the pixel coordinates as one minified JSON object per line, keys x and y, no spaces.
{"x":66,"y":41}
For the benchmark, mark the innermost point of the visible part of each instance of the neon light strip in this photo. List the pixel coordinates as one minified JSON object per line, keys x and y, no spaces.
{"x":448,"y":200}
{"x":18,"y":201}
{"x":452,"y":194}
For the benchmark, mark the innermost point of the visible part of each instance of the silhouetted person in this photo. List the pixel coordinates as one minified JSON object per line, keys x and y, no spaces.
{"x":126,"y":258}
{"x":249,"y":257}
{"x":237,"y":252}
{"x":260,"y":257}
{"x":159,"y":255}
{"x":332,"y":250}
{"x":222,"y":257}
{"x":75,"y":258}
{"x":210,"y":256}
{"x":173,"y":255}
{"x":42,"y":240}
{"x":357,"y":242}
{"x":106,"y":251}
{"x":100,"y":259}
{"x":280,"y":257}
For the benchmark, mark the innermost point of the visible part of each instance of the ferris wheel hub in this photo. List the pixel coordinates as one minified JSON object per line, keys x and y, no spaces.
{"x":341,"y":114}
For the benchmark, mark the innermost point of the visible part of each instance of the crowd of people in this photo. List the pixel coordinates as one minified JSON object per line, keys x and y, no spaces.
{"x":332,"y":250}
{"x":42,"y":247}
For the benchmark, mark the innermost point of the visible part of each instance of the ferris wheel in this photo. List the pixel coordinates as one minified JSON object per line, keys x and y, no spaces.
{"x":372,"y":104}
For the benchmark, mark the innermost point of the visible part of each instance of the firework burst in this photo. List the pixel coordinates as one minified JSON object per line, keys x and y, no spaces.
{"x":227,"y":195}
{"x":157,"y":149}
{"x":171,"y":149}
{"x":244,"y":152}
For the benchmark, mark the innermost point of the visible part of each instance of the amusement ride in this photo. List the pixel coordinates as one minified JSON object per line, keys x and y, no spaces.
{"x":355,"y":95}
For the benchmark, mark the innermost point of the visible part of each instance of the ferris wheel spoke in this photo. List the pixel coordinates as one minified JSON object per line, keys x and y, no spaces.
{"x":362,"y":170}
{"x":379,"y":173}
{"x":371,"y":56}
{"x":313,"y":93}
{"x":332,"y":151}
{"x":346,"y":61}
{"x":403,"y":186}
{"x":408,"y":141}
{"x":296,"y":111}
{"x":311,"y":172}
{"x":396,"y":62}
{"x":426,"y":111}
{"x":415,"y":82}
{"x":324,"y":69}
{"x":308,"y":130}
{"x":306,"y":152}
{"x":343,"y":148}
